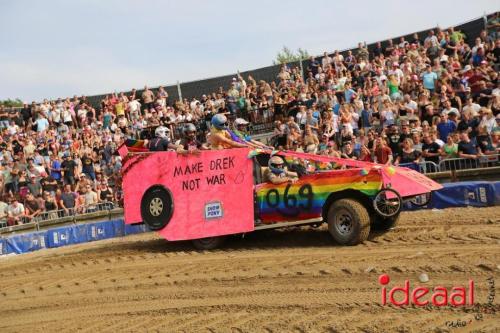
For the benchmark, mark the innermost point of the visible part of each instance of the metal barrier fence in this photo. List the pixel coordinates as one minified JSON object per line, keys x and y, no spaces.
{"x":453,"y":164}
{"x":422,"y":167}
{"x":61,"y":214}
{"x":485,"y":161}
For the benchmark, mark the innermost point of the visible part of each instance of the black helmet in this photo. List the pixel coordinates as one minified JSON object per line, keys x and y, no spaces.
{"x":188,"y":128}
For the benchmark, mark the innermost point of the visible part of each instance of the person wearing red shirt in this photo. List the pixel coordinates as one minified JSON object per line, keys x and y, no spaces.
{"x":383,"y":154}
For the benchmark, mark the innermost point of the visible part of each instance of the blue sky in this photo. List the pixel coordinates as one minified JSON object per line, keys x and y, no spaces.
{"x":57,"y":48}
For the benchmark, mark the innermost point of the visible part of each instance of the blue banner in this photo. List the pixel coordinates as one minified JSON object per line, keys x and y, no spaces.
{"x":60,"y":236}
{"x":131,"y":229}
{"x":27,"y":242}
{"x":100,"y":230}
{"x":463,"y":194}
{"x":3,"y":246}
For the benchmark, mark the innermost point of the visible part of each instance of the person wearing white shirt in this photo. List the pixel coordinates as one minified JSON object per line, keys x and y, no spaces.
{"x":397,"y":72}
{"x":411,"y":106}
{"x":471,"y":107}
{"x":448,"y":109}
{"x":301,"y":115}
{"x":13,"y":128}
{"x":436,"y":139}
{"x":56,"y":116}
{"x":326,"y":61}
{"x":478,"y":45}
{"x":134,"y":109}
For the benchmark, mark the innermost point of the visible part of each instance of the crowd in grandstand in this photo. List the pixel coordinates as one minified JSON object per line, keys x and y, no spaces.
{"x":429,"y":98}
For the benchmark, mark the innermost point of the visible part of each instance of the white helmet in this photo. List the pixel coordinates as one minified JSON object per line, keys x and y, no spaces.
{"x":161,"y":131}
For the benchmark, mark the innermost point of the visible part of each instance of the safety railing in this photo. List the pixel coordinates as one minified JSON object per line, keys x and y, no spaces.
{"x":481,"y":162}
{"x":422,"y":167}
{"x":453,"y":164}
{"x":58,"y":216}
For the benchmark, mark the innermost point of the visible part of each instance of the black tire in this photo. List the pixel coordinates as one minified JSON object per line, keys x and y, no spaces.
{"x":208,"y":243}
{"x":380,"y":223}
{"x":157,"y":207}
{"x":348,"y":222}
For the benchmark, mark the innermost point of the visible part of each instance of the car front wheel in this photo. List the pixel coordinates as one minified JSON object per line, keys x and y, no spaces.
{"x":348,"y":222}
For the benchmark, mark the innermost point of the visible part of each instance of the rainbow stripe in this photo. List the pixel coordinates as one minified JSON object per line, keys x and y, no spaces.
{"x":305,"y":199}
{"x":136,"y":145}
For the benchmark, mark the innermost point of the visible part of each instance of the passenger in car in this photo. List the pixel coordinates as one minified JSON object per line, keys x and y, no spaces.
{"x":189,"y":144}
{"x":240,"y":134}
{"x":219,"y":137}
{"x":277,"y":173}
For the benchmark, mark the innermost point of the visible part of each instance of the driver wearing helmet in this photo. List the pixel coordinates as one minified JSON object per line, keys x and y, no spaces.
{"x":277,"y":174}
{"x":189,"y":144}
{"x":161,"y":141}
{"x":220,"y":138}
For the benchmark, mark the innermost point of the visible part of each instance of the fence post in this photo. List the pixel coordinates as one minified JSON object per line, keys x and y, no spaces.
{"x":179,"y":91}
{"x":301,"y":69}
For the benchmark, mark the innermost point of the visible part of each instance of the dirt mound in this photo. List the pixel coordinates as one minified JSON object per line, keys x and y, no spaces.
{"x":294,"y":280}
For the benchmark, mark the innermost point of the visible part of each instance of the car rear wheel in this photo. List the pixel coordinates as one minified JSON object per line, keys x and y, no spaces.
{"x":384,"y":223}
{"x":348,"y":222}
{"x":157,"y":207}
{"x":208,"y":243}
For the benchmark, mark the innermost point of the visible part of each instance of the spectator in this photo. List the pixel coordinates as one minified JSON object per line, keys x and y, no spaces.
{"x":429,"y":79}
{"x":88,"y":166}
{"x":450,"y":148}
{"x":445,"y":127}
{"x":68,"y":200}
{"x":468,"y":151}
{"x":50,"y":206}
{"x":68,"y":167}
{"x":147,"y":98}
{"x":34,"y":186}
{"x":3,"y":213}
{"x":90,"y":199}
{"x":383,"y":154}
{"x":104,"y":192}
{"x":430,"y":149}
{"x":15,"y":212}
{"x":488,"y":121}
{"x":33,"y":210}
{"x":394,"y":140}
{"x":408,"y":155}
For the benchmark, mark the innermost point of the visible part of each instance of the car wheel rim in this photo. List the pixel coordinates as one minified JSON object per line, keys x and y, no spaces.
{"x":156,"y":207}
{"x":343,"y":222}
{"x":385,"y":206}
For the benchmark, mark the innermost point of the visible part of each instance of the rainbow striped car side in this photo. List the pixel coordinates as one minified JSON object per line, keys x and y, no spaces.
{"x":350,"y":196}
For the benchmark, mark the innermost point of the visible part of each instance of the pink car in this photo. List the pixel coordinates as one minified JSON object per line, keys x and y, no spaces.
{"x":222,"y":192}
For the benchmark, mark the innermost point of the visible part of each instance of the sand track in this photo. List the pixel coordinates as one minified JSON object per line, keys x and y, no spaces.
{"x":293,"y":280}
